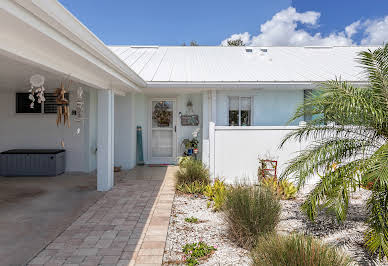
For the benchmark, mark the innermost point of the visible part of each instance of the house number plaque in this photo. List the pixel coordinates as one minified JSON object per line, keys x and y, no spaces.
{"x":189,"y":120}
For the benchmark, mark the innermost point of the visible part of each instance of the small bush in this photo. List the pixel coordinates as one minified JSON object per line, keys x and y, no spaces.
{"x":192,"y":188}
{"x":197,"y":251}
{"x":284,"y":189}
{"x":192,"y":220}
{"x":190,"y":171}
{"x":216,"y":194}
{"x":250,"y":211}
{"x":295,"y":250}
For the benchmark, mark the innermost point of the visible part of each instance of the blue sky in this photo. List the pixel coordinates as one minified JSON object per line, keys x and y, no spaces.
{"x":172,"y":22}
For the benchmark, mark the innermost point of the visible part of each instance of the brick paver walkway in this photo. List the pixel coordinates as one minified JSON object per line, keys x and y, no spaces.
{"x":128,"y":226}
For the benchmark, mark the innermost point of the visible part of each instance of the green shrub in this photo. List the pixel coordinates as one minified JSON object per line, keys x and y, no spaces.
{"x":192,"y":188}
{"x":190,"y":171}
{"x":284,"y":189}
{"x":197,"y":251}
{"x":273,"y":249}
{"x":216,"y":194}
{"x":192,"y":220}
{"x":250,"y":211}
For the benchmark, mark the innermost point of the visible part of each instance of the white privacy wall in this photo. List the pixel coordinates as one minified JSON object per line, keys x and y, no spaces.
{"x":270,"y":107}
{"x":237,"y":150}
{"x":39,"y":131}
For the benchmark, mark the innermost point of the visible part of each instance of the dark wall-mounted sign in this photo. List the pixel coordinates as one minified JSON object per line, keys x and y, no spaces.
{"x":189,"y":120}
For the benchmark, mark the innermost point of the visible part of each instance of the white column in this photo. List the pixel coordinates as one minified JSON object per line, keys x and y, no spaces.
{"x":105,"y":140}
{"x":212,"y":164}
{"x":214,"y":106}
{"x":205,"y":128}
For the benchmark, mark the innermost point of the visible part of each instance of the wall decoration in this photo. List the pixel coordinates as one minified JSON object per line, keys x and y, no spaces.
{"x":80,"y":105}
{"x":37,"y":89}
{"x":63,"y":105}
{"x":189,"y":120}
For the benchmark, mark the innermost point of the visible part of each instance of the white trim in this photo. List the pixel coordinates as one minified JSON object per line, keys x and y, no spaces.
{"x":256,"y":127}
{"x":52,"y":20}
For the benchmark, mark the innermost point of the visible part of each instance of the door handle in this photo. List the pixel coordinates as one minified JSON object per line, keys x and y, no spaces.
{"x":175,"y":129}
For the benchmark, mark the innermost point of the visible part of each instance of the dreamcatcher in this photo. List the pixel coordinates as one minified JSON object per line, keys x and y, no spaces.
{"x":37,"y":89}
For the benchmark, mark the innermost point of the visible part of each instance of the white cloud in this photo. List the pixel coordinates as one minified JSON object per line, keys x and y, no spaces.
{"x":284,"y":29}
{"x":352,"y":28}
{"x":376,"y":31}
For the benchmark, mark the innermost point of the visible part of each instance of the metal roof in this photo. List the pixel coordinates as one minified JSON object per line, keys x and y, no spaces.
{"x":217,"y":64}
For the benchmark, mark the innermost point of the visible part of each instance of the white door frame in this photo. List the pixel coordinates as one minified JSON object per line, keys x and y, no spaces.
{"x":162,"y":160}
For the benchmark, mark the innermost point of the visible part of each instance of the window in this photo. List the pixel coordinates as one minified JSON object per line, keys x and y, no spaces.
{"x":240,"y":111}
{"x":48,"y":107}
{"x":307,"y":113}
{"x":23,"y":104}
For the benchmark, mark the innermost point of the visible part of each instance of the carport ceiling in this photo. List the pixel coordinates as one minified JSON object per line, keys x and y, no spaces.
{"x":15,"y":75}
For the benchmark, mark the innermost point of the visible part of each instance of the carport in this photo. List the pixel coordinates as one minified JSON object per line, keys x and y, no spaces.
{"x":42,"y":37}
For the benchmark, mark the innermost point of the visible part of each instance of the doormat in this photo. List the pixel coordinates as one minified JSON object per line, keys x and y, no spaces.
{"x":159,"y":165}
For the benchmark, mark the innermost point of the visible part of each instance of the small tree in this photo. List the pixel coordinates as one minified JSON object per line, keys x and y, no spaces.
{"x":349,"y":147}
{"x":194,"y":43}
{"x":237,"y":42}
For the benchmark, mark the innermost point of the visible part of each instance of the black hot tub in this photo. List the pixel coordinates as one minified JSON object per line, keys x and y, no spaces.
{"x":32,"y":162}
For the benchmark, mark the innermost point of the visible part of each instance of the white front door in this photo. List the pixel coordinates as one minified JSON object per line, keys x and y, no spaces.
{"x":163,"y":131}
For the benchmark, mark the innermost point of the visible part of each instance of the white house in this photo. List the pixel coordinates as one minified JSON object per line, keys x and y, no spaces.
{"x":243,"y":96}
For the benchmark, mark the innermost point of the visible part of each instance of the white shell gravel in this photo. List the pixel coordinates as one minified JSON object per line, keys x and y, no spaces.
{"x":213,"y":230}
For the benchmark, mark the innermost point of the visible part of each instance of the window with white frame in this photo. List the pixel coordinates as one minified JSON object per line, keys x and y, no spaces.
{"x":240,"y":111}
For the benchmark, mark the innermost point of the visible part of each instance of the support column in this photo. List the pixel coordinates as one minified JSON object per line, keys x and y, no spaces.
{"x":212,"y":161}
{"x":105,"y":140}
{"x":205,"y":128}
{"x":214,"y":106}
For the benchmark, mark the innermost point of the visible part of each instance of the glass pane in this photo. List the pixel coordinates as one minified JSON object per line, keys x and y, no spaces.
{"x":162,"y":143}
{"x":233,"y":103}
{"x":162,"y":114}
{"x":245,"y":103}
{"x":245,"y":118}
{"x":233,"y":118}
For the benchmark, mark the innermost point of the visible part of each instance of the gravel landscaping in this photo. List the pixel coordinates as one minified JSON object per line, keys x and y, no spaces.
{"x":212,"y":229}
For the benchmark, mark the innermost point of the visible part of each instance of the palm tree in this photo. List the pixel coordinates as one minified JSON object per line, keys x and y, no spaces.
{"x":348,"y":147}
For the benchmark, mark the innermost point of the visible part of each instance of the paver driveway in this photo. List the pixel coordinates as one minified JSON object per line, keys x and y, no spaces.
{"x":128,"y":226}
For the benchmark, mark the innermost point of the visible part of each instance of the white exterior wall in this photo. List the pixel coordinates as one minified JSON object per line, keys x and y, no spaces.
{"x":270,"y":107}
{"x":237,"y":150}
{"x":125,"y":131}
{"x":39,"y":131}
{"x":142,"y":118}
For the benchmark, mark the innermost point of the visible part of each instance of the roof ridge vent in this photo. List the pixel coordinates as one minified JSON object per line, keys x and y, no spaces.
{"x":144,"y":46}
{"x":318,"y":47}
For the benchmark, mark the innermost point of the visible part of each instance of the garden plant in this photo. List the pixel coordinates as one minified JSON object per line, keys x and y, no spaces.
{"x":348,"y":146}
{"x":294,"y":250}
{"x":250,"y":211}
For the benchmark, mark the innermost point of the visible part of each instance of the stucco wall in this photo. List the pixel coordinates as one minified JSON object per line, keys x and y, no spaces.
{"x":270,"y":107}
{"x":23,"y":131}
{"x":237,"y":150}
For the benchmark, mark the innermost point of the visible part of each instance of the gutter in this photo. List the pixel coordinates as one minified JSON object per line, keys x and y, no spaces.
{"x":58,"y":17}
{"x":240,"y":84}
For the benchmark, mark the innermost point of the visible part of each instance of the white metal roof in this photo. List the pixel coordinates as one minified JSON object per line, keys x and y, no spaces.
{"x":217,"y":64}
